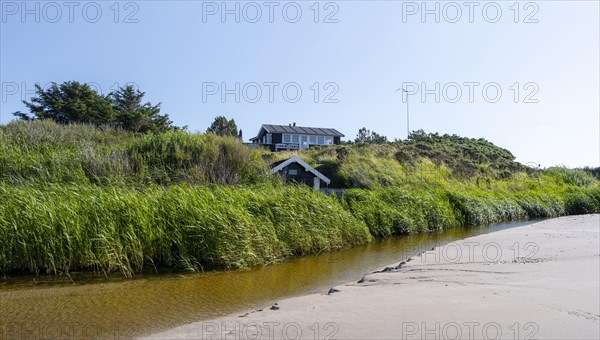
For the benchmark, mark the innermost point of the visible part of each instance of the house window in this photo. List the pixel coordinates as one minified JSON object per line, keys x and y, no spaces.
{"x":313,"y":139}
{"x":269,"y":139}
{"x":287,"y":138}
{"x":328,"y":140}
{"x":295,"y":139}
{"x":292,"y":172}
{"x":304,"y":142}
{"x":320,"y":140}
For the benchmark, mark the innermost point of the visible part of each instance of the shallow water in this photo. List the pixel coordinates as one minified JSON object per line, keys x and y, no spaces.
{"x":50,"y":308}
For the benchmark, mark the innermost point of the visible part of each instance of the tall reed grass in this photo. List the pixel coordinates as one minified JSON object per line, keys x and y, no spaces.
{"x":430,"y":207}
{"x":45,"y":152}
{"x":58,"y":228}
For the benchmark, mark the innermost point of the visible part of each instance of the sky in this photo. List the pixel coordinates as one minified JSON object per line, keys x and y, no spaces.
{"x":524,"y":75}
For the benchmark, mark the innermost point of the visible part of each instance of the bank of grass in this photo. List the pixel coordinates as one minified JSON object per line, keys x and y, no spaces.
{"x":58,"y":228}
{"x":45,"y":152}
{"x":86,"y":198}
{"x":423,"y":206}
{"x":436,"y":182}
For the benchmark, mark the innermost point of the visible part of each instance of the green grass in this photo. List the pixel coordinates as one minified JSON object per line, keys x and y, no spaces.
{"x":85,"y":198}
{"x":443,"y":182}
{"x":45,"y":152}
{"x":398,"y":211}
{"x":58,"y":228}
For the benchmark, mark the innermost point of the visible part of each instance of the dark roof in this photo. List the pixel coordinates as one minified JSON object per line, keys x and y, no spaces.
{"x":301,"y":130}
{"x":277,"y":163}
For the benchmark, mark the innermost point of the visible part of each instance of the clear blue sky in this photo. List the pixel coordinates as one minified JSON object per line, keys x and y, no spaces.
{"x":175,"y":51}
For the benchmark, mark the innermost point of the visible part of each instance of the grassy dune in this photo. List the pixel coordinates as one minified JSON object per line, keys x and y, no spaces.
{"x":84,"y":198}
{"x":45,"y":152}
{"x":435,"y":182}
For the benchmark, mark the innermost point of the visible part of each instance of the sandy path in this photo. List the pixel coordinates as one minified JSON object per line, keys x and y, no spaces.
{"x":537,"y":281}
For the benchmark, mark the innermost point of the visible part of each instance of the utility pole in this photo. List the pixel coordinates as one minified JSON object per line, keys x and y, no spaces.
{"x":407,"y":116}
{"x":407,"y":112}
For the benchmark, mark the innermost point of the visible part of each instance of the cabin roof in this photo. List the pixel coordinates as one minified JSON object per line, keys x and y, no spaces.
{"x":278,"y":166}
{"x":302,"y":130}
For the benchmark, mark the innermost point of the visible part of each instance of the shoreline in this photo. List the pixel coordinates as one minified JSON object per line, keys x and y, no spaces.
{"x":541,"y":281}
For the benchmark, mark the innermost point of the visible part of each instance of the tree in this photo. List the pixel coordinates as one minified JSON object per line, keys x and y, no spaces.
{"x":362,"y":136}
{"x":69,"y":102}
{"x":366,"y":136}
{"x":420,"y":135}
{"x":377,"y":138}
{"x":223,"y":127}
{"x":74,"y":102}
{"x":132,"y":115}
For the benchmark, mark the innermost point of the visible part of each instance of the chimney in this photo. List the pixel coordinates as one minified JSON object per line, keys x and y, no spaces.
{"x":290,"y":124}
{"x":294,"y":123}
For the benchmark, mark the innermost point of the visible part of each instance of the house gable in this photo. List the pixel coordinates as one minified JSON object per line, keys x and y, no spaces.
{"x":280,"y":166}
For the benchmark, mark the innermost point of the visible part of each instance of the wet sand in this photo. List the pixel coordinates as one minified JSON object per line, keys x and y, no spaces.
{"x":540,"y":281}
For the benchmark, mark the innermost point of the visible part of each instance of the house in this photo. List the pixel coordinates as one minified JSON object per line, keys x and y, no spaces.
{"x":292,"y":137}
{"x":297,"y":170}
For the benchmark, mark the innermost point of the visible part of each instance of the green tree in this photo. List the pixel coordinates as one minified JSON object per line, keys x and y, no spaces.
{"x":421,"y":136}
{"x":74,"y":102}
{"x":69,"y":102}
{"x":132,"y":115}
{"x":362,"y":136}
{"x":377,"y":138}
{"x":366,"y":136}
{"x":223,"y":127}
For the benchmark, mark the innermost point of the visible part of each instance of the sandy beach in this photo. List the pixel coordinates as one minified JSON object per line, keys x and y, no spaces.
{"x":540,"y":281}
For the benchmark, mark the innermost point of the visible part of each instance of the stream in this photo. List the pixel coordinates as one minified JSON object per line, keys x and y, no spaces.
{"x":86,"y":307}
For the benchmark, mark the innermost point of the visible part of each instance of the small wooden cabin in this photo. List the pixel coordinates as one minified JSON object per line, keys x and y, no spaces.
{"x":296,"y":170}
